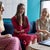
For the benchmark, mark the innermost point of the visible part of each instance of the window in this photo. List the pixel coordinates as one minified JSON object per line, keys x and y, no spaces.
{"x":45,"y":4}
{"x":11,"y":6}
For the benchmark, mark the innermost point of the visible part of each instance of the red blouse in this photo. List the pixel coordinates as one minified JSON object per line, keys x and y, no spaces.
{"x":26,"y":38}
{"x":18,"y":27}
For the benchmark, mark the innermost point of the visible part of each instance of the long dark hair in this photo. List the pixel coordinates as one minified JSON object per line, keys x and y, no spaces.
{"x":23,"y":15}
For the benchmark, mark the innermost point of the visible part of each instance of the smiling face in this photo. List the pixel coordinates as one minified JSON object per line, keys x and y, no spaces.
{"x":44,"y":13}
{"x":22,"y":9}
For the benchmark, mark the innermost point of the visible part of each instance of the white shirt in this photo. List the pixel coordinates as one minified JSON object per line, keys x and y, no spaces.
{"x":2,"y":25}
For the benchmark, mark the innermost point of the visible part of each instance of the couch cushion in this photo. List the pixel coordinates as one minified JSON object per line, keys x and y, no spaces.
{"x":32,"y":27}
{"x":8,"y":26}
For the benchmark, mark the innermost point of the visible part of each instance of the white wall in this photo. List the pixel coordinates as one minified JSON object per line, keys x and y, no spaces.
{"x":11,"y":6}
{"x":46,"y":4}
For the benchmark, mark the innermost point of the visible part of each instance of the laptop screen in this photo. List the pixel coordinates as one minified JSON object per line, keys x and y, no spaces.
{"x":46,"y":42}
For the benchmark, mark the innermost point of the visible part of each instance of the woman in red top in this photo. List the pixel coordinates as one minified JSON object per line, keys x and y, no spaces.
{"x":21,"y":25}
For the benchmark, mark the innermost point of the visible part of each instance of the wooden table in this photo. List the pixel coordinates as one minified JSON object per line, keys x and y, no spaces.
{"x":37,"y":46}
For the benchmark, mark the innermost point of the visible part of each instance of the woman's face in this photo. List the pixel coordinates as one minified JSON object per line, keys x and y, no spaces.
{"x":44,"y":12}
{"x":22,"y":9}
{"x":2,"y":9}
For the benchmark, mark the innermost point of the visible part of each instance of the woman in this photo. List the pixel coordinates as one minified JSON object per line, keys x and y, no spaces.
{"x":21,"y":25}
{"x":42,"y":25}
{"x":7,"y":42}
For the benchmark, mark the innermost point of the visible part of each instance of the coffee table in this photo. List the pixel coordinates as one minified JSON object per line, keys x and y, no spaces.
{"x":37,"y":46}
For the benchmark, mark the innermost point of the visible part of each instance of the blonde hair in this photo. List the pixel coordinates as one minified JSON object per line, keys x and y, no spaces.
{"x":0,"y":10}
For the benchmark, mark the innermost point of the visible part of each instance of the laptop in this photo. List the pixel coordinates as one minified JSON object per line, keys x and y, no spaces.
{"x":45,"y":42}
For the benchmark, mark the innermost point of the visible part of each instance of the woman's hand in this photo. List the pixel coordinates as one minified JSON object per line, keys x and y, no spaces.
{"x":7,"y":35}
{"x":17,"y":31}
{"x":46,"y":32}
{"x":22,"y":30}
